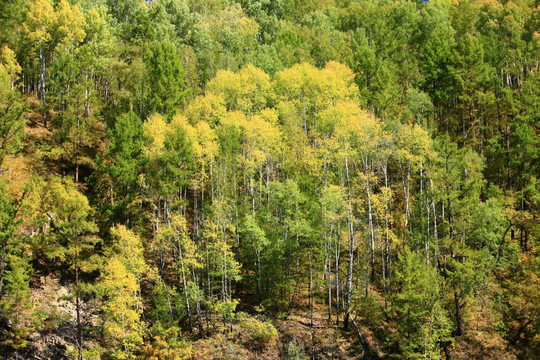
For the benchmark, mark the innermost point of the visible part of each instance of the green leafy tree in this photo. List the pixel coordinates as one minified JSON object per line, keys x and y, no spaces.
{"x":421,"y":318}
{"x":12,"y":119}
{"x":165,"y":78}
{"x":16,"y":303}
{"x":71,"y":239}
{"x":37,"y":27}
{"x":126,"y":154}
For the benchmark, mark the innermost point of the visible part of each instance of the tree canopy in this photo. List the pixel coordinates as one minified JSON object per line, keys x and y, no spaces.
{"x":269,"y":179}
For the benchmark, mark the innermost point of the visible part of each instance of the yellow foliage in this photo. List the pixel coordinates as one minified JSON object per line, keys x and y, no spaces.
{"x":262,"y":139}
{"x":270,"y":116}
{"x":67,"y":205}
{"x":155,"y":129}
{"x":39,"y":20}
{"x":9,"y":62}
{"x":338,"y":82}
{"x":162,"y":349}
{"x":246,"y":91}
{"x":70,"y":24}
{"x":261,"y":334}
{"x":297,"y":82}
{"x":209,"y":108}
{"x":130,"y":248}
{"x":414,"y":145}
{"x":202,"y":137}
{"x":18,"y":172}
{"x":206,"y":140}
{"x":305,"y":84}
{"x":123,"y":326}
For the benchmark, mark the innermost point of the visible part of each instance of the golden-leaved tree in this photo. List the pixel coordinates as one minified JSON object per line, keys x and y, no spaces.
{"x":121,"y":285}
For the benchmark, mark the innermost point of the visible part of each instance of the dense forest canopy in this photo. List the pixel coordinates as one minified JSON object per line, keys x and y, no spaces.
{"x":257,"y":179}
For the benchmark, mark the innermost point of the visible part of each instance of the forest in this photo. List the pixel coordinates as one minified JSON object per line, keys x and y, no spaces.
{"x":269,"y":179}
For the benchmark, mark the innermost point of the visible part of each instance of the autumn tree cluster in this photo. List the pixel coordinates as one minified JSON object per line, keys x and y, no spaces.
{"x":185,"y":168}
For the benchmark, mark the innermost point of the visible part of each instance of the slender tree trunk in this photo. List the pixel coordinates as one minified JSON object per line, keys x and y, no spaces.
{"x":2,"y":267}
{"x":435,"y":230}
{"x":195,"y":218}
{"x":406,"y":189}
{"x":123,"y":326}
{"x":508,"y":156}
{"x":78,"y":145}
{"x":337,"y":248}
{"x":310,"y":288}
{"x":259,"y":271}
{"x":370,"y":222}
{"x":78,"y":309}
{"x":198,"y":306}
{"x":43,"y":88}
{"x":387,"y":239}
{"x":86,"y":93}
{"x":427,"y":234}
{"x":350,"y":230}
{"x":458,"y":306}
{"x":188,"y":308}
{"x":330,"y":274}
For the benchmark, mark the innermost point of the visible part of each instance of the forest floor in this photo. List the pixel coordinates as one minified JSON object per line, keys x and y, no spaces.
{"x":298,"y":339}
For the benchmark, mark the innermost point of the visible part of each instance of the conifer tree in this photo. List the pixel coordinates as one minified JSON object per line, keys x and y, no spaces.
{"x":165,"y":78}
{"x":12,"y":119}
{"x":71,"y":239}
{"x":126,"y":154}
